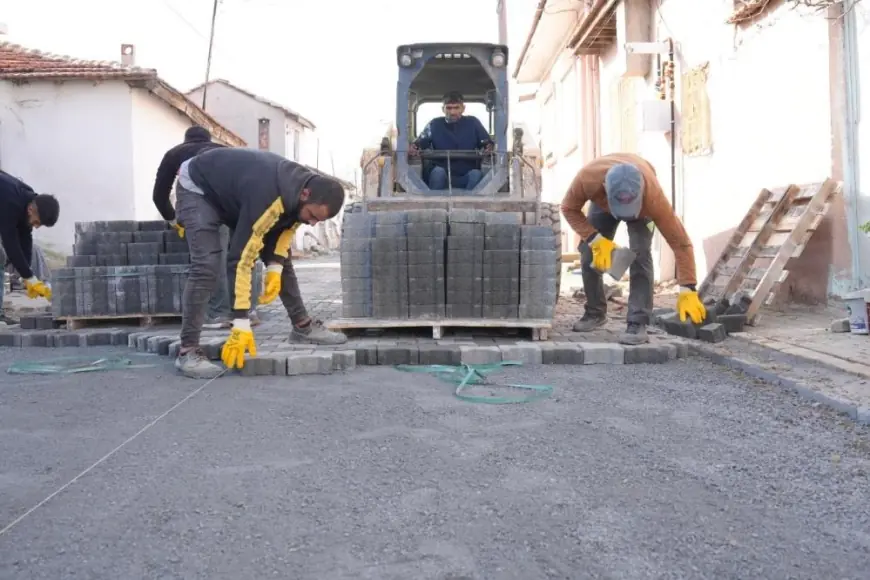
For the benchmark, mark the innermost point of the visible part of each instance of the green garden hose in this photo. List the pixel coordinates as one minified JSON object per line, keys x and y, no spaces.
{"x":465,"y":375}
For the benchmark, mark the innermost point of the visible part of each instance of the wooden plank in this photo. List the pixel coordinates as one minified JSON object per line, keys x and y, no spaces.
{"x":143,"y":320}
{"x":774,"y":271}
{"x":540,"y":328}
{"x":779,"y":208}
{"x":505,"y":204}
{"x":735,"y":240}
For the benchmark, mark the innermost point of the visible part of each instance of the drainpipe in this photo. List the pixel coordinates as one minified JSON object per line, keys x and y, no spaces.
{"x":672,"y":86}
{"x":851,"y":173}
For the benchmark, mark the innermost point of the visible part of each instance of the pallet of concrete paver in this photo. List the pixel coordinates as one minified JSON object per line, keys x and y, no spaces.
{"x":142,"y":320}
{"x":539,"y":329}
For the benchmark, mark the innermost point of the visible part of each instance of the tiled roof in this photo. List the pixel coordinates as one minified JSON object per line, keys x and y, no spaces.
{"x":287,"y":111}
{"x":19,"y":63}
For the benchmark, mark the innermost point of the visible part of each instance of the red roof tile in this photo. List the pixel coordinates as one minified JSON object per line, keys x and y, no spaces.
{"x":19,"y":63}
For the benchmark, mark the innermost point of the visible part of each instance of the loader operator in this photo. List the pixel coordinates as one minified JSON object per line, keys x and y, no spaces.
{"x":22,"y":210}
{"x":261,"y":196}
{"x":453,"y":132}
{"x":624,"y":187}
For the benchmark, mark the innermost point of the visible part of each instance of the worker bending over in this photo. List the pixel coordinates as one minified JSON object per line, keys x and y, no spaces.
{"x":22,"y":210}
{"x":261,"y":197}
{"x":624,"y":187}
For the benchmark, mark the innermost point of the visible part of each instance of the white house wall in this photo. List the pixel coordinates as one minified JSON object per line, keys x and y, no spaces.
{"x":156,"y":127}
{"x":73,"y":140}
{"x":768,"y":87}
{"x":241,"y":114}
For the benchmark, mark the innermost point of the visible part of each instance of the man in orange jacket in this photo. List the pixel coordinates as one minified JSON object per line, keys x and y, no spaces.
{"x":624,"y":187}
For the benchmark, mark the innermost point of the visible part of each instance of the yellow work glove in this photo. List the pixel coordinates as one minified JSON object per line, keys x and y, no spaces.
{"x":241,"y":341}
{"x":36,"y":288}
{"x":689,"y":305}
{"x":272,"y":284}
{"x":178,"y":228}
{"x":602,"y":250}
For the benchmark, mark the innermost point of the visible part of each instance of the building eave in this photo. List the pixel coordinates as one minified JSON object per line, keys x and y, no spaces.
{"x":548,"y":35}
{"x":289,"y":113}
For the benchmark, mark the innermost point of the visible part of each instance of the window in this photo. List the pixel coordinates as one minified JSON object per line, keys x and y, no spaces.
{"x":695,"y":135}
{"x":624,"y":121}
{"x":297,"y":137}
{"x":568,"y":105}
{"x":548,"y":129}
{"x":263,"y":134}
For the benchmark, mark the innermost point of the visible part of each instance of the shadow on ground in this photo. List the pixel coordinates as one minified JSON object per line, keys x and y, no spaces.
{"x":680,"y":470}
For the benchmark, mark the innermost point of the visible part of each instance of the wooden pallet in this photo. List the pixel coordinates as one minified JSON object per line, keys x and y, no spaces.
{"x":776,"y":229}
{"x":540,"y":328}
{"x":142,"y":320}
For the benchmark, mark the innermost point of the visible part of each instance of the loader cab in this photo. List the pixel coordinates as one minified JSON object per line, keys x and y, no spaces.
{"x":426,"y":73}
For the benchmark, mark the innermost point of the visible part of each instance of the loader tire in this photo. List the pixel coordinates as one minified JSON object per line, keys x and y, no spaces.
{"x":551,"y":216}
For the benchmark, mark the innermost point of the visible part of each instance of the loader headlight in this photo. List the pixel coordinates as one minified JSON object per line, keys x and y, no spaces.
{"x":406,"y":60}
{"x":498,"y":59}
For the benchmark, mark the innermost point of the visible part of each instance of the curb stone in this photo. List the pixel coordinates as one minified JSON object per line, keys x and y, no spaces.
{"x":283,"y":359}
{"x":857,"y":413}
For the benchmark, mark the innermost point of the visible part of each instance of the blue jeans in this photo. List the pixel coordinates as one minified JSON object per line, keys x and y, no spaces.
{"x":438,"y":179}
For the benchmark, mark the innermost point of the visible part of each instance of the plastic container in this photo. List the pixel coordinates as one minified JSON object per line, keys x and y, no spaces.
{"x":856,"y":304}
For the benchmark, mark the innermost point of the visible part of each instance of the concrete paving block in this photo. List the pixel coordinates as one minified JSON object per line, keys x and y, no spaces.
{"x":142,"y":342}
{"x":528,"y":354}
{"x":647,"y":353}
{"x":602,"y":353}
{"x":737,"y":322}
{"x":479,"y":355}
{"x":174,"y":347}
{"x":212,"y":347}
{"x":366,"y":353}
{"x":439,"y":354}
{"x":394,"y":354}
{"x":96,"y":338}
{"x":309,"y":364}
{"x":119,"y":337}
{"x":567,"y":353}
{"x":10,"y":339}
{"x":670,"y":349}
{"x":35,"y":338}
{"x":264,"y":365}
{"x":841,"y":325}
{"x":712,"y":333}
{"x":343,"y":360}
{"x":548,"y":353}
{"x":133,"y":339}
{"x":66,"y":339}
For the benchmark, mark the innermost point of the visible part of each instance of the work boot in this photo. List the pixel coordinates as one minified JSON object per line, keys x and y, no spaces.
{"x":195,"y":365}
{"x":589,"y":323}
{"x":315,"y":333}
{"x":634,"y":334}
{"x":217,"y":323}
{"x":7,"y":320}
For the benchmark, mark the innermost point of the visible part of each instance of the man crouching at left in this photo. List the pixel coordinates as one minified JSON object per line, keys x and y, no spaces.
{"x":261,"y":196}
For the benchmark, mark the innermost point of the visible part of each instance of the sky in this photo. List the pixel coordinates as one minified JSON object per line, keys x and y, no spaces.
{"x":333,"y":61}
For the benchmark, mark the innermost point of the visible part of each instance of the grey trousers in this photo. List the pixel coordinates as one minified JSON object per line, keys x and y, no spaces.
{"x":219,"y":305}
{"x":202,"y":230}
{"x":641,"y":273}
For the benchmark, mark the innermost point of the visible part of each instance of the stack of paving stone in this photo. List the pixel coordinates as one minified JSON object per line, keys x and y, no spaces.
{"x":431,"y":264}
{"x":390,"y":296}
{"x":539,"y":270}
{"x":464,"y":270}
{"x":124,"y":268}
{"x":426,"y":231}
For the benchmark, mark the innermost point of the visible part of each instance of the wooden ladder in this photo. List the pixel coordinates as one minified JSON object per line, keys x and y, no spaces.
{"x":777,"y":228}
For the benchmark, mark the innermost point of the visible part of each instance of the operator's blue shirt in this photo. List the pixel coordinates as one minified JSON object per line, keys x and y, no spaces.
{"x":466,"y":134}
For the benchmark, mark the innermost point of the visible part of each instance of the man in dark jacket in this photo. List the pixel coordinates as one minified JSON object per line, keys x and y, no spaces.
{"x":260,"y":196}
{"x":196,"y":140}
{"x":21,"y":210}
{"x":454,"y":132}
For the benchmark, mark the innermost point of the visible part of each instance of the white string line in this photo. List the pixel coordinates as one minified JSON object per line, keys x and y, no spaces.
{"x":18,"y":520}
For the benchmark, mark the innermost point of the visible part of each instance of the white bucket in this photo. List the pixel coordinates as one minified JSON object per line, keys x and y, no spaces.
{"x":856,"y":304}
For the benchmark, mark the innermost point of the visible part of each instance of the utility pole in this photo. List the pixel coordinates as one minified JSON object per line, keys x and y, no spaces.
{"x":210,"y":48}
{"x":501,"y":10}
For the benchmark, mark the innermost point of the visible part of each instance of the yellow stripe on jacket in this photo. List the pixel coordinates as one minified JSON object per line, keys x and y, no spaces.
{"x":251,"y":251}
{"x":282,"y":246}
